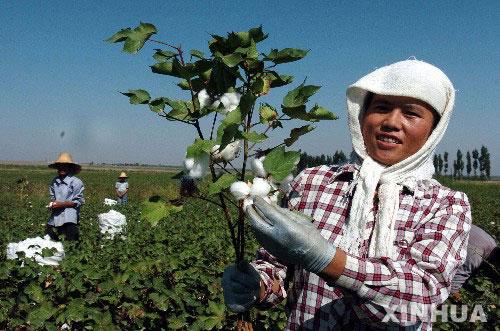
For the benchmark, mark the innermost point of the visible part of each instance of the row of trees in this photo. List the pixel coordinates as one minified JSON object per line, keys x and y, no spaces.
{"x":477,"y":163}
{"x":307,"y":161}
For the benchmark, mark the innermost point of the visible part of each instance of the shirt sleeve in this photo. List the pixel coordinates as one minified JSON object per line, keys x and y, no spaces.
{"x":52,"y":193}
{"x":273,"y":275}
{"x":77,"y":196}
{"x":410,"y":290}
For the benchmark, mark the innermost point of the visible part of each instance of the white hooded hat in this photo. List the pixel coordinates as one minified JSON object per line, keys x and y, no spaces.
{"x":410,"y":78}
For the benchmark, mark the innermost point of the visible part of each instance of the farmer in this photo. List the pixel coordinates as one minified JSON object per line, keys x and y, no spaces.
{"x":121,"y":188}
{"x":385,"y":238}
{"x":66,"y":195}
{"x":482,"y":252}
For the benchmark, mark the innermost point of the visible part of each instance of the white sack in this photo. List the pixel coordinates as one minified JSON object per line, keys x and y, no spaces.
{"x":110,"y":202}
{"x":111,"y":223}
{"x":33,"y":247}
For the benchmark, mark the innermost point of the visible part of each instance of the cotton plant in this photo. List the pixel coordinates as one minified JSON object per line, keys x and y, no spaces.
{"x":224,"y":93}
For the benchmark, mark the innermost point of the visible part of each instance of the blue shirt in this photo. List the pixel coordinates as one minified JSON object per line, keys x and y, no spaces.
{"x":68,"y":189}
{"x":121,"y":186}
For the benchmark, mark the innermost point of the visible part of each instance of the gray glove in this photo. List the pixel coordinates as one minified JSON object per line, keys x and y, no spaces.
{"x":290,"y":236}
{"x":241,"y":287}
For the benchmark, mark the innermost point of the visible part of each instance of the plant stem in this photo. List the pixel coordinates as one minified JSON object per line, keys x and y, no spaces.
{"x":213,"y":125}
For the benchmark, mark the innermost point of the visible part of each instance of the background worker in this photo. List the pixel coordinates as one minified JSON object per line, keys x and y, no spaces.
{"x":66,"y":198}
{"x":121,"y":187}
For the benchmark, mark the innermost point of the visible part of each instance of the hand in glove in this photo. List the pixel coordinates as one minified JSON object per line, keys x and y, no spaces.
{"x":241,"y":287}
{"x":290,"y":236}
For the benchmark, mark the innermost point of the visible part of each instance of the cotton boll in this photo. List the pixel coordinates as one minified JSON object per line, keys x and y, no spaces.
{"x":230,"y":100}
{"x":231,"y":151}
{"x":258,"y":167}
{"x":240,"y":190}
{"x":189,"y":163}
{"x":260,"y":187}
{"x":215,"y":154}
{"x":196,"y":167}
{"x":204,"y":98}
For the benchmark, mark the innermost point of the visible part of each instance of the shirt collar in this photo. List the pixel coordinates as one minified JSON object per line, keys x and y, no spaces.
{"x":66,"y":180}
{"x":347,"y":172}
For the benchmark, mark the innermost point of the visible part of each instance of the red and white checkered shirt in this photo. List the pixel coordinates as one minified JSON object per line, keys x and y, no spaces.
{"x":432,"y":225}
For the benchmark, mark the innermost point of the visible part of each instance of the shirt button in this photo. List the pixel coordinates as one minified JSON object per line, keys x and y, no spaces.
{"x":403,"y":243}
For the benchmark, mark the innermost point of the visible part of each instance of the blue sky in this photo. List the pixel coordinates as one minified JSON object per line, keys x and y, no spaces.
{"x":58,"y":74}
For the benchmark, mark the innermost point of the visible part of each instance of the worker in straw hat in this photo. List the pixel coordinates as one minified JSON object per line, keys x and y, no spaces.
{"x":66,"y":198}
{"x":385,"y":238}
{"x":121,"y":187}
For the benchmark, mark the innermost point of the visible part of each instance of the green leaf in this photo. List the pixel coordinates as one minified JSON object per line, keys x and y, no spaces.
{"x":34,"y":292}
{"x":296,"y":133}
{"x":227,"y":133}
{"x":160,"y":301}
{"x":197,"y":53}
{"x":299,"y":96}
{"x":155,"y":209}
{"x":137,"y":96}
{"x":199,"y":147}
{"x":234,"y":117}
{"x":157,"y":105}
{"x":267,"y":113}
{"x":175,"y":68}
{"x":247,"y":102}
{"x":257,"y":34}
{"x":280,"y":163}
{"x":222,"y":183}
{"x":298,"y":113}
{"x":39,"y":315}
{"x":196,"y":83}
{"x":75,"y":310}
{"x":217,"y":309}
{"x":120,"y":36}
{"x":285,"y":55}
{"x":260,"y":86}
{"x":133,"y":39}
{"x":249,"y":52}
{"x":178,"y":175}
{"x":232,"y":60}
{"x":254,"y":136}
{"x":163,"y":56}
{"x":278,"y":80}
{"x":321,"y":113}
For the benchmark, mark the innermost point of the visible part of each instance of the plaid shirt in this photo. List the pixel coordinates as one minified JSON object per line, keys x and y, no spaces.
{"x":432,"y":227}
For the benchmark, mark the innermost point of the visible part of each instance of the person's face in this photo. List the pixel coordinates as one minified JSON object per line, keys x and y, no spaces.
{"x":395,"y":128}
{"x":63,"y":170}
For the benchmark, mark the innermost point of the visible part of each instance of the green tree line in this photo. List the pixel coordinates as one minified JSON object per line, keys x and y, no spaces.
{"x":308,"y":161}
{"x":476,"y":164}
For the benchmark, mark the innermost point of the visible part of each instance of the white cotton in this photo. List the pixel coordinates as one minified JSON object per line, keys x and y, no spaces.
{"x":230,"y":100}
{"x":204,"y":98}
{"x":260,"y":187}
{"x":196,"y":167}
{"x":189,"y":163}
{"x":32,"y":247}
{"x":257,"y":166}
{"x":111,"y":223}
{"x":240,"y":190}
{"x":229,"y":153}
{"x":110,"y":202}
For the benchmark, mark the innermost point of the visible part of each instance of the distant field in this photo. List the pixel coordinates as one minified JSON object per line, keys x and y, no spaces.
{"x":166,"y":276}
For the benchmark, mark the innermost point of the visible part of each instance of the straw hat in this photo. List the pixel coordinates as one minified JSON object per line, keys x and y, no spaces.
{"x":65,"y":158}
{"x":123,"y":175}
